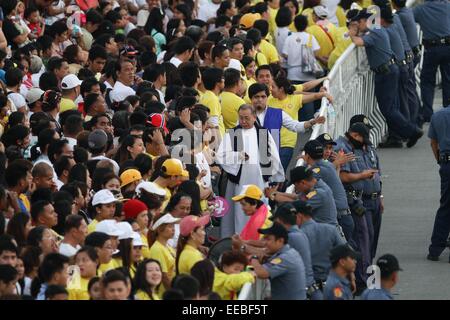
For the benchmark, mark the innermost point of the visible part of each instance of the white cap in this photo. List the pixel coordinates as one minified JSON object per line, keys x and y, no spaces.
{"x":127,"y":230}
{"x":165,"y":219}
{"x":150,"y":187}
{"x":103,"y":196}
{"x":320,"y":11}
{"x":70,"y":81}
{"x":109,"y":227}
{"x":33,"y":95}
{"x":234,"y":64}
{"x":137,"y":240}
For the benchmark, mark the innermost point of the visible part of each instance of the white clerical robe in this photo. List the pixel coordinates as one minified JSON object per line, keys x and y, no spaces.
{"x":251,"y":173}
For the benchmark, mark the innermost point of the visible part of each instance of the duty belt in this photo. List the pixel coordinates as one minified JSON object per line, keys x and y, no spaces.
{"x":416,"y":50}
{"x":401,"y":62}
{"x":384,"y":67}
{"x":444,"y":41}
{"x":444,"y":158}
{"x":372,"y":196}
{"x":409,"y":56}
{"x":343,"y":212}
{"x":355,"y":194}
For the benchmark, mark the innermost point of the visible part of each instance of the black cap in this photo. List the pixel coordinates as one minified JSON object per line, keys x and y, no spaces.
{"x":314,"y":149}
{"x":360,"y":118}
{"x":302,"y":207}
{"x":276,"y":229}
{"x":352,"y":13}
{"x":343,"y":251}
{"x":325,"y":139}
{"x":362,"y":14}
{"x":361,"y":129}
{"x":388,"y":264}
{"x":285,"y":210}
{"x":300,"y":173}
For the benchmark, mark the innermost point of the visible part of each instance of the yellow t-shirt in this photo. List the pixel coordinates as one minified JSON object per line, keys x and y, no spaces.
{"x":272,"y":23}
{"x":340,"y":15}
{"x":212,"y":101}
{"x":92,"y":225}
{"x":267,"y":223}
{"x":166,"y":257}
{"x":291,"y":105}
{"x":78,"y":291}
{"x":145,"y":248}
{"x":249,"y":83}
{"x":269,"y":51}
{"x":308,"y":13}
{"x":188,"y":258}
{"x":227,"y":286}
{"x":343,"y":41}
{"x":67,"y":104}
{"x":167,"y":198}
{"x":141,"y":295}
{"x":230,"y":104}
{"x":119,"y":263}
{"x":326,"y":44}
{"x":260,"y":59}
{"x":105,"y":267}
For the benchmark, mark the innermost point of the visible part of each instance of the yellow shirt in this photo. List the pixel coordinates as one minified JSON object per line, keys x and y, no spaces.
{"x":272,"y":23}
{"x":212,"y":101}
{"x":308,"y":13}
{"x":67,"y":104}
{"x":141,"y":295}
{"x":25,"y":201}
{"x":267,"y":223}
{"x":343,"y":41}
{"x":230,"y":104}
{"x":105,"y":267}
{"x":188,"y":258}
{"x":269,"y":51}
{"x":291,"y":105}
{"x":167,"y":198}
{"x":92,"y":225}
{"x":227,"y":286}
{"x":325,"y":41}
{"x":340,"y":15}
{"x":166,"y":257}
{"x":78,"y":291}
{"x":119,"y":263}
{"x":145,"y":248}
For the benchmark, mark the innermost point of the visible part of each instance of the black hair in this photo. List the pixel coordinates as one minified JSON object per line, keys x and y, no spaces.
{"x":15,"y":172}
{"x":211,"y":76}
{"x":80,"y":154}
{"x":203,"y":271}
{"x":53,"y":290}
{"x":230,"y":257}
{"x":183,"y":44}
{"x":114,"y":276}
{"x":52,"y":263}
{"x":301,"y":22}
{"x":144,"y":163}
{"x":138,"y":117}
{"x":140,"y":278}
{"x":217,"y":51}
{"x":87,"y":84}
{"x":7,"y":273}
{"x":263,"y":67}
{"x":153,"y":71}
{"x":253,"y":202}
{"x":8,"y":6}
{"x":74,"y":124}
{"x":64,"y":115}
{"x":232,"y":77}
{"x":254,"y":35}
{"x":284,"y":17}
{"x":93,"y":16}
{"x":294,"y":2}
{"x":154,"y":21}
{"x":89,"y":100}
{"x":17,"y":132}
{"x":37,"y":208}
{"x":16,"y":228}
{"x":96,"y":239}
{"x":257,"y":87}
{"x":55,"y":149}
{"x":187,"y":284}
{"x":7,"y":245}
{"x":48,"y":81}
{"x":78,"y":173}
{"x":189,"y":73}
{"x":13,"y":77}
{"x":41,"y":194}
{"x":191,"y":188}
{"x":263,"y":27}
{"x":284,"y":84}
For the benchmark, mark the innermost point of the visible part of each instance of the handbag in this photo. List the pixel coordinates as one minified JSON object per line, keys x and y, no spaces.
{"x":309,"y":62}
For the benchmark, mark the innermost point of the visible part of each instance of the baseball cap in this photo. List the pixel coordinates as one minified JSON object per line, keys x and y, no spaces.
{"x":249,"y":19}
{"x":174,"y":167}
{"x":70,"y":81}
{"x":320,"y":11}
{"x":126,"y":229}
{"x":129,"y":176}
{"x":302,"y":207}
{"x":165,"y":219}
{"x":325,"y":139}
{"x":35,"y":64}
{"x":343,"y":251}
{"x":361,"y":129}
{"x":275,"y":229}
{"x":157,"y":120}
{"x":132,"y":208}
{"x":362,"y":14}
{"x":249,"y":191}
{"x":285,"y":210}
{"x":189,"y":223}
{"x":128,"y":51}
{"x":137,"y":240}
{"x":234,"y":64}
{"x":300,"y":173}
{"x":388,"y":264}
{"x":34,"y":94}
{"x":360,"y":118}
{"x":314,"y":148}
{"x":103,"y":196}
{"x":97,"y":139}
{"x":109,"y":227}
{"x":150,"y":187}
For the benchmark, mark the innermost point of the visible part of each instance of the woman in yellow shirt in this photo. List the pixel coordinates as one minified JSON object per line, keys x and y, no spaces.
{"x":102,"y":244}
{"x":162,"y":231}
{"x":147,"y":280}
{"x":137,"y":211}
{"x":192,"y":236}
{"x":86,"y":259}
{"x":130,"y":249}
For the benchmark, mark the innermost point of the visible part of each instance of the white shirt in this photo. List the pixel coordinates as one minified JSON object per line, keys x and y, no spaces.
{"x":280,"y":36}
{"x":67,"y":249}
{"x":331,"y":6}
{"x":59,"y":184}
{"x":174,"y":241}
{"x":161,"y":96}
{"x":207,"y":11}
{"x":72,"y":142}
{"x":202,"y":164}
{"x":120,"y":92}
{"x":175,"y":61}
{"x":292,"y":48}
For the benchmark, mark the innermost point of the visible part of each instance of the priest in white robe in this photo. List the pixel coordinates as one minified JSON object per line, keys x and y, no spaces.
{"x":249,"y":155}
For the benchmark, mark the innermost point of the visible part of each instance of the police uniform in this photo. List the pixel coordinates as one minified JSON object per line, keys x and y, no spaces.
{"x":299,"y":241}
{"x":287,"y":275}
{"x":337,"y":288}
{"x":439,"y":131}
{"x":376,"y":294}
{"x":433,"y":16}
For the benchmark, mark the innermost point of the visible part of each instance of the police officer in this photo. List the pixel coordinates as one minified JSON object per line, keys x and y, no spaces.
{"x":389,"y":268}
{"x":337,"y":158}
{"x":286,"y":215}
{"x":381,"y":61}
{"x":352,"y":176}
{"x":322,"y":238}
{"x":372,"y":196}
{"x":433,"y":16}
{"x":285,"y":267}
{"x":341,"y":278}
{"x":440,"y":144}
{"x":326,"y":171}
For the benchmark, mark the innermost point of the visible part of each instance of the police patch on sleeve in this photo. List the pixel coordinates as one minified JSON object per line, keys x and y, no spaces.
{"x":326,"y":136}
{"x":311,"y":194}
{"x":337,"y":292}
{"x":316,"y":170}
{"x":276,"y":261}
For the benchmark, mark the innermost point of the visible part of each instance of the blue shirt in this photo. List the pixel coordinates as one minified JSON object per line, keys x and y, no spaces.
{"x":320,"y":198}
{"x":378,"y":48}
{"x":299,"y":241}
{"x":327,"y":172}
{"x":376,"y":294}
{"x":322,"y":238}
{"x":440,"y":130}
{"x":434,"y":18}
{"x":287,"y":275}
{"x":355,"y":166}
{"x":372,"y":161}
{"x":401,"y":33}
{"x":396,"y":42}
{"x":409,"y":25}
{"x":337,"y":288}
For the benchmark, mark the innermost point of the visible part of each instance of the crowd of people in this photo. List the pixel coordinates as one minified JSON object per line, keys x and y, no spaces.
{"x":137,"y":135}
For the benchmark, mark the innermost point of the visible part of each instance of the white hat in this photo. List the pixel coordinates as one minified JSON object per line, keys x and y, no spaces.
{"x":142,"y":17}
{"x":150,"y":187}
{"x":127,"y":231}
{"x":320,"y":11}
{"x":33,"y":95}
{"x":234,"y":64}
{"x":109,"y":227}
{"x":165,"y":219}
{"x":103,"y":196}
{"x":137,"y":240}
{"x":70,"y":81}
